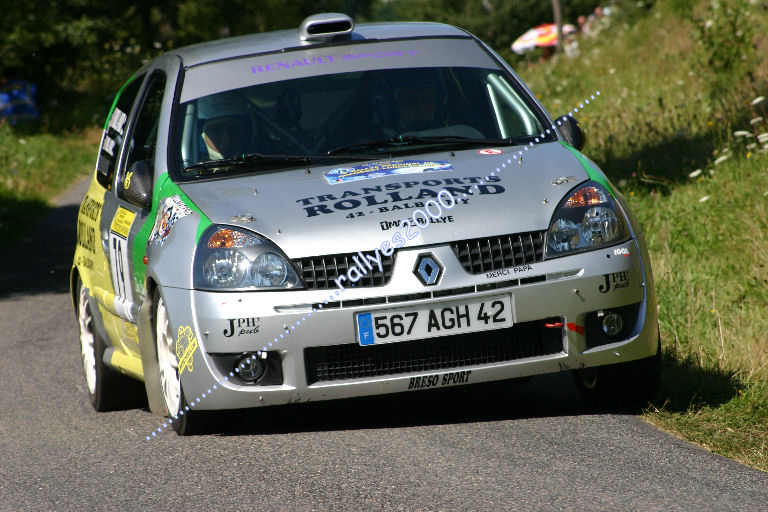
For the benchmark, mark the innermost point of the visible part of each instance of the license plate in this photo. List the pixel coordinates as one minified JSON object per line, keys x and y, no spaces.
{"x":430,"y":321}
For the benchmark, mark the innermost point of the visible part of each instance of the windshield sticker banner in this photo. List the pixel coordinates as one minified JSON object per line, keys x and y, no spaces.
{"x":381,"y":169}
{"x":391,"y":197}
{"x":329,"y":59}
{"x":172,"y":210}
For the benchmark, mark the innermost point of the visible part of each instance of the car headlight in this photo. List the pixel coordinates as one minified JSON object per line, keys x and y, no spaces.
{"x":228,"y":258}
{"x":586,"y":219}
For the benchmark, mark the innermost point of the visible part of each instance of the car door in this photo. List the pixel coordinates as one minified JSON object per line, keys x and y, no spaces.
{"x":124,"y":216}
{"x":92,"y":254}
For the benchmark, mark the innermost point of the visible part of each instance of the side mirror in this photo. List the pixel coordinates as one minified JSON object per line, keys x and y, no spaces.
{"x":136,"y":186}
{"x":572,"y":132}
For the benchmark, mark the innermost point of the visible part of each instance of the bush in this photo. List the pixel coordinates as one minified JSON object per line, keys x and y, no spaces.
{"x":725,"y":51}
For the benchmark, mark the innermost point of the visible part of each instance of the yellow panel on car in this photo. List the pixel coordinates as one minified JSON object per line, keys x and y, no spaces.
{"x":121,"y":224}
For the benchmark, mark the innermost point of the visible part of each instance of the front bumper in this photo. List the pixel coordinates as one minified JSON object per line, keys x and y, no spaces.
{"x":563,"y":293}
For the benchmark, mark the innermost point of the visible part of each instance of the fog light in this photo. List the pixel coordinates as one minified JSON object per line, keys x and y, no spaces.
{"x":613,"y":323}
{"x":250,"y":366}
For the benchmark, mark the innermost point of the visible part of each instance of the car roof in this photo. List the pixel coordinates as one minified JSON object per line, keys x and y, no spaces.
{"x":284,"y":39}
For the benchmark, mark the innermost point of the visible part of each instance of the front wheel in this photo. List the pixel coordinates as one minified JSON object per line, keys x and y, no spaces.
{"x":108,"y":390}
{"x":182,"y":419}
{"x":628,"y":385}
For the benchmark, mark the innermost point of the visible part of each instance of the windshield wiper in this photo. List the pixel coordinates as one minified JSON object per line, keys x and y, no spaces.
{"x":413,"y":140}
{"x":259,"y":160}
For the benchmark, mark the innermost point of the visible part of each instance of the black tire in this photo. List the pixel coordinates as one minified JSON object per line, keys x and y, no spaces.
{"x":183,"y":420}
{"x":188,"y":421}
{"x":108,"y":389}
{"x":622,"y":386}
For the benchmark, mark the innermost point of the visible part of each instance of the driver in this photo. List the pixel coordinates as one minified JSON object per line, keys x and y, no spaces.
{"x":416,"y":107}
{"x":225,"y":127}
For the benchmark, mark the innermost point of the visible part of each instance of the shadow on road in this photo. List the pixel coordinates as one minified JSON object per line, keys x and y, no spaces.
{"x":538,"y":397}
{"x":40,"y":261}
{"x":684,"y":384}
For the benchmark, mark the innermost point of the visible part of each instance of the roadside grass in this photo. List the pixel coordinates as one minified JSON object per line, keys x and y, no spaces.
{"x":710,"y":262}
{"x":657,"y":131}
{"x":34,"y":167}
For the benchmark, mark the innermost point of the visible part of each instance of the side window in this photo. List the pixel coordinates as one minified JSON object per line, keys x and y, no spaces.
{"x":114,"y":132}
{"x":143,"y":136}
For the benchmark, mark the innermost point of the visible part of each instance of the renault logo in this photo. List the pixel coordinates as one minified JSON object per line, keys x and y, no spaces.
{"x":427,"y":269}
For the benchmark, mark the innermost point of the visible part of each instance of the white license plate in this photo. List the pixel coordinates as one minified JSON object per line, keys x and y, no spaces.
{"x":429,"y":321}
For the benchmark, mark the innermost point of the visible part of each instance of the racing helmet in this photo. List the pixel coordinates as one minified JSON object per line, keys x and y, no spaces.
{"x":416,"y":88}
{"x":223,"y":104}
{"x":224,"y":124}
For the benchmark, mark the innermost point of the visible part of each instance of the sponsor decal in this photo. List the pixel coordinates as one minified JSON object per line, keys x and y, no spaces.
{"x":84,"y":261}
{"x":241,"y":326}
{"x":578,"y":329}
{"x":623,"y":251}
{"x":389,"y":224}
{"x":118,"y":251}
{"x":86,"y":236}
{"x":117,"y":121}
{"x":172,"y":210}
{"x":384,"y":168}
{"x":614,"y":280}
{"x":186,"y":344}
{"x":398,"y":196}
{"x":90,"y":208}
{"x":127,"y":180}
{"x":490,"y":151}
{"x":328,"y":59}
{"x":109,"y":146}
{"x":508,"y":271}
{"x":122,"y":222}
{"x":446,"y":379}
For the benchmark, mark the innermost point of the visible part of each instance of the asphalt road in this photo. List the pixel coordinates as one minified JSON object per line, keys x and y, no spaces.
{"x":528,"y":446}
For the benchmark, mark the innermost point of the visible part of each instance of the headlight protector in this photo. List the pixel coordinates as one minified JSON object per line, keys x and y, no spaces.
{"x":586,"y":219}
{"x":229,"y":258}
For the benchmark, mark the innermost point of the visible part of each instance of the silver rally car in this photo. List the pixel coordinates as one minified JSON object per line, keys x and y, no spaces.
{"x":348,"y":210}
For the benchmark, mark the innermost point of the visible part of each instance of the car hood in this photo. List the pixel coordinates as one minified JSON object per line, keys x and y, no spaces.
{"x":305,"y":215}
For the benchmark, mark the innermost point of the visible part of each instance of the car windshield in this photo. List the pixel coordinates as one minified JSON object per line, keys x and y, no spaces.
{"x":353,"y":115}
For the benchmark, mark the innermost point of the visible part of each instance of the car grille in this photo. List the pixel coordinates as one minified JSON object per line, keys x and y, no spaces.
{"x":493,"y":253}
{"x":318,"y":272}
{"x":352,"y":361}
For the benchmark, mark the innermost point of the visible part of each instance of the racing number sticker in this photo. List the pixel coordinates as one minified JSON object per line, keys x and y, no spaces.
{"x":118,"y":251}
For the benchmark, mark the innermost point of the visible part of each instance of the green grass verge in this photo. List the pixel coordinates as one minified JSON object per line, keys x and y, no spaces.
{"x":657,"y":129}
{"x":34,"y":167}
{"x":710,"y":259}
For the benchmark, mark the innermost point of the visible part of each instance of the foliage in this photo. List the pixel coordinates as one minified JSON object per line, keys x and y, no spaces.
{"x":725,"y":52}
{"x":80,"y":52}
{"x":35,"y":167}
{"x":497,"y":22}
